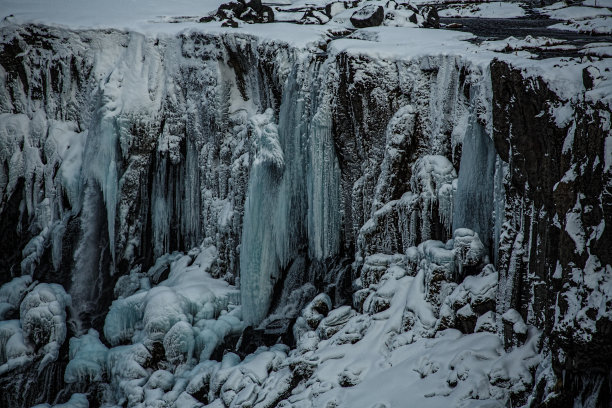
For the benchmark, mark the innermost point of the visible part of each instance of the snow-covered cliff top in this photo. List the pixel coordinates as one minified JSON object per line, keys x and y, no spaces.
{"x":131,"y":15}
{"x":157,"y":18}
{"x":160,"y":18}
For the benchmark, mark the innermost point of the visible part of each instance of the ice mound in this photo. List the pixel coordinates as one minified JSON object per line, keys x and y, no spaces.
{"x":159,"y":329}
{"x":76,"y":401}
{"x":43,"y":317}
{"x":41,"y":328}
{"x":87,"y":359}
{"x":189,"y":294}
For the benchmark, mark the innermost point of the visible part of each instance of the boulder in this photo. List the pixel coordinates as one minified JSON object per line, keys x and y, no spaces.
{"x":368,"y":16}
{"x":466,"y":319}
{"x":314,"y":17}
{"x":430,"y":14}
{"x":251,"y":12}
{"x":335,"y":321}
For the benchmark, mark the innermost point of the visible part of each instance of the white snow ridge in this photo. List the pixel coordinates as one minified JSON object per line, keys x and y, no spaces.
{"x":305,"y":204}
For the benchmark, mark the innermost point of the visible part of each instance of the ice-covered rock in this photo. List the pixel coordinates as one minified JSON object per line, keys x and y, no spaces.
{"x":469,"y":250}
{"x":87,"y":359}
{"x":11,"y":294}
{"x":179,"y":343}
{"x":43,"y":317}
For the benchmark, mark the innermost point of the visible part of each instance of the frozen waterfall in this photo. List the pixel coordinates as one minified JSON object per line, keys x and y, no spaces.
{"x":292,"y":203}
{"x":474,"y":199}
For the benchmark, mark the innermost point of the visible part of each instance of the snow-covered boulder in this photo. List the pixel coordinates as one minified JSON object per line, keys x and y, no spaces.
{"x":241,"y":10}
{"x":487,"y":322}
{"x":369,"y":15}
{"x":335,"y":320}
{"x":472,"y":299}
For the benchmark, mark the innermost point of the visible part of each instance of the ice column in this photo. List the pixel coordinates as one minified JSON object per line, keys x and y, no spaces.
{"x":259,"y":263}
{"x":474,"y":198}
{"x":290,"y":221}
{"x":323,"y":187}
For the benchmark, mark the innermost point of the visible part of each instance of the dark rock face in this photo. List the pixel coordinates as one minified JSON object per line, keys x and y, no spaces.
{"x":28,"y":386}
{"x":12,"y":222}
{"x":368,"y":16}
{"x":539,"y":154}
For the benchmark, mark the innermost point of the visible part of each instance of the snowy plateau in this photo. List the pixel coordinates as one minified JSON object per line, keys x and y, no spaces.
{"x":325,"y":204}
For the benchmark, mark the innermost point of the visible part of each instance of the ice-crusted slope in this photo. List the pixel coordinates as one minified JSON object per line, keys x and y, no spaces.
{"x":431,"y":219}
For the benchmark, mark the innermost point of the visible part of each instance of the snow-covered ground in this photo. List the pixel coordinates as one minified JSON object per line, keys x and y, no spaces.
{"x":496,"y":9}
{"x":596,"y":25}
{"x":599,"y":49}
{"x":135,"y":15}
{"x":561,"y":12}
{"x":586,"y":19}
{"x":598,"y":3}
